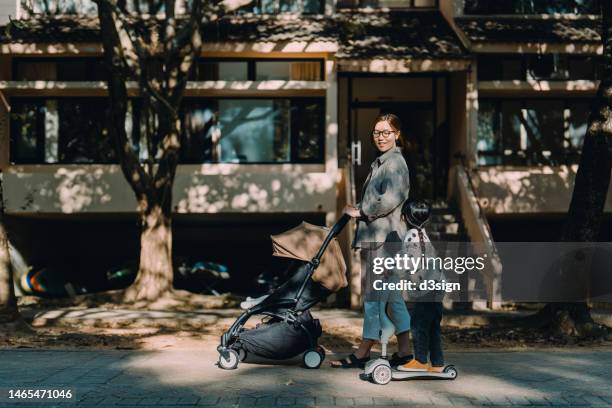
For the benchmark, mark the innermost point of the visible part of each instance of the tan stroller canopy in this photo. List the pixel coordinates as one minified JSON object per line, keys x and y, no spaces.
{"x":303,"y":243}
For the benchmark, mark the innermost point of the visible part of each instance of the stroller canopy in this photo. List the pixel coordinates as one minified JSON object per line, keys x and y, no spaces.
{"x":303,"y":243}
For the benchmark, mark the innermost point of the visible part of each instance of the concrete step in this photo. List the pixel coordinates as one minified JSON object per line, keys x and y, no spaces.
{"x":443,"y":236}
{"x":443,"y":218}
{"x":448,"y":228}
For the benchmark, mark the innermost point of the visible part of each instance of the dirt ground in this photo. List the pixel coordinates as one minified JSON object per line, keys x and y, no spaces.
{"x":184,"y":331}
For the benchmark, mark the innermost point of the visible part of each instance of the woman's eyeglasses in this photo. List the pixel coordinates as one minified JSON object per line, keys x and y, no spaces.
{"x":385,"y":133}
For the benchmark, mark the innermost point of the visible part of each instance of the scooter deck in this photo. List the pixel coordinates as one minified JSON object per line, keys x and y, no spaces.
{"x":420,"y":375}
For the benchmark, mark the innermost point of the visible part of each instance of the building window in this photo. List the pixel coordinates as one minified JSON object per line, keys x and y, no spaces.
{"x":63,"y":130}
{"x":254,"y":130}
{"x":205,"y":69}
{"x":88,"y":7}
{"x":59,"y":69}
{"x":548,"y":67}
{"x":418,"y":4}
{"x":83,"y":7}
{"x":531,"y":131}
{"x":288,"y":70}
{"x":221,"y":71}
{"x":531,"y":7}
{"x":284,"y":6}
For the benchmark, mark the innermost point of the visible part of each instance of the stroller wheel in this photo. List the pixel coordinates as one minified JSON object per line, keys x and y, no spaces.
{"x":312,"y":359}
{"x":242,"y":354}
{"x":321,"y":351}
{"x":230,"y":361}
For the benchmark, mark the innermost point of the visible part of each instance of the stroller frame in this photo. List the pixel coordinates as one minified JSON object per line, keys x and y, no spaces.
{"x":229,"y":356}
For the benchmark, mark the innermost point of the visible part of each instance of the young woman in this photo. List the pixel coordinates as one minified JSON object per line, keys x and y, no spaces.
{"x":379,"y":221}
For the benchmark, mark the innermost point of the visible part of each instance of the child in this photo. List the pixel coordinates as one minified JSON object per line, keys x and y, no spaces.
{"x":427,"y":313}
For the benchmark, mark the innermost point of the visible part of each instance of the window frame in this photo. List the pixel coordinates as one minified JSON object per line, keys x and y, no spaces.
{"x":93,"y":60}
{"x":293,"y":153}
{"x":523,"y":6}
{"x":510,"y":160}
{"x":41,"y":136}
{"x":596,"y":61}
{"x":344,"y":6}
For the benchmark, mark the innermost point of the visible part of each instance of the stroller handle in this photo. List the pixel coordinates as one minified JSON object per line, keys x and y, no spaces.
{"x":335,"y":230}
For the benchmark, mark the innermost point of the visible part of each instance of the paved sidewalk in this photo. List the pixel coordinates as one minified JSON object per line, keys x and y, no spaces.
{"x":190,"y":378}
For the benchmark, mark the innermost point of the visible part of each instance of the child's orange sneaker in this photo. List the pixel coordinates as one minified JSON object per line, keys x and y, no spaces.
{"x":413,"y":365}
{"x":433,"y":369}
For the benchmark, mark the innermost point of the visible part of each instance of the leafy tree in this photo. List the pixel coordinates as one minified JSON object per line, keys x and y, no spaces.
{"x":8,"y":304}
{"x":157,"y":52}
{"x":590,"y":189}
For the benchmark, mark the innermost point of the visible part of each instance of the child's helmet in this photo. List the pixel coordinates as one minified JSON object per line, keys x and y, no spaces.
{"x":416,"y":213}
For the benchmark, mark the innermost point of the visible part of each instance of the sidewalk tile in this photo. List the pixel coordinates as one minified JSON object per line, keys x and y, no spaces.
{"x":458,"y":401}
{"x":556,"y":400}
{"x":499,"y":400}
{"x":480,"y":401}
{"x":364,"y":401}
{"x":266,"y":402}
{"x":247,"y":401}
{"x":595,"y":401}
{"x":344,"y":402}
{"x":519,"y":400}
{"x":305,"y":401}
{"x":324,"y":400}
{"x":286,"y":401}
{"x":168,"y":401}
{"x":188,"y":400}
{"x":575,"y":401}
{"x":89,"y":402}
{"x":129,"y":401}
{"x":539,"y":401}
{"x":208,"y":400}
{"x":440,"y":400}
{"x":418,"y":399}
{"x":147,"y":402}
{"x":383,"y":401}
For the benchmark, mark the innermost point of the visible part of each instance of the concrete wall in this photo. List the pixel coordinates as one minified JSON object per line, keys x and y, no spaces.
{"x":7,"y":8}
{"x":527,"y":190}
{"x":220,"y":188}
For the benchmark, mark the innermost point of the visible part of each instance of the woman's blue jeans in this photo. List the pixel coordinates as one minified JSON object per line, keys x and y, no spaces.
{"x":373,"y":309}
{"x":372,"y":312}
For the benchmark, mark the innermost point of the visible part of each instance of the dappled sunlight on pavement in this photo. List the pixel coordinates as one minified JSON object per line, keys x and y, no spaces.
{"x":190,"y":377}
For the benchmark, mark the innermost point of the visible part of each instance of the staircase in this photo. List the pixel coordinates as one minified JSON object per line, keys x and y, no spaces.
{"x":445,"y":223}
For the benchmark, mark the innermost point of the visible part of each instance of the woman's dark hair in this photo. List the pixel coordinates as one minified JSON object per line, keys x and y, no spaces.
{"x":416,"y":212}
{"x":395,"y":123}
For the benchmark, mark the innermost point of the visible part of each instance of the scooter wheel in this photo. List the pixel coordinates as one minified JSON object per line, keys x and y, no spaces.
{"x":381,"y":375}
{"x":452,"y":372}
{"x":312,"y":359}
{"x":229,"y":361}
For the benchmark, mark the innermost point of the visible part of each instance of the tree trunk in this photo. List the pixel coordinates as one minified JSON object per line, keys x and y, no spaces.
{"x":155,"y":273}
{"x":8,"y":304}
{"x":590,"y":191}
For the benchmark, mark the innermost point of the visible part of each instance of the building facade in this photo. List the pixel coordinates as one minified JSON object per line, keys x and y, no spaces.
{"x":494,"y":98}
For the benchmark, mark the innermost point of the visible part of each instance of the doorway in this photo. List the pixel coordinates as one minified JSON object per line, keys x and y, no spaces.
{"x":420,"y":151}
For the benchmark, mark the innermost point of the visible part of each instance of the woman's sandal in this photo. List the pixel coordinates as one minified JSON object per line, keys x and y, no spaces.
{"x":351,"y":362}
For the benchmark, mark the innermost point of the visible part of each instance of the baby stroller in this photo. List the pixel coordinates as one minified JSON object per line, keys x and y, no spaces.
{"x":291,"y":329}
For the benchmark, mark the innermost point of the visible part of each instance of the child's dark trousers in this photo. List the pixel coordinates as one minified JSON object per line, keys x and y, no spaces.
{"x":426,"y":334}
